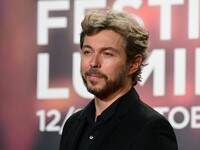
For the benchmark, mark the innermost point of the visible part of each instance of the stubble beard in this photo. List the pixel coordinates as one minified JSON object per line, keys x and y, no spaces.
{"x":110,"y":86}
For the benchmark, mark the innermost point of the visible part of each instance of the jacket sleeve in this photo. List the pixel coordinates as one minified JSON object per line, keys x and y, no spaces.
{"x":157,"y":135}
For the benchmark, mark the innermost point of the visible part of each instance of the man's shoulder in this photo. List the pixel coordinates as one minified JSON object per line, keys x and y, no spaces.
{"x":71,"y":121}
{"x":75,"y":116}
{"x":144,"y":113}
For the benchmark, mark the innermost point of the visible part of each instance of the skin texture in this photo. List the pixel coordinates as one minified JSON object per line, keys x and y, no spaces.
{"x":104,"y":68}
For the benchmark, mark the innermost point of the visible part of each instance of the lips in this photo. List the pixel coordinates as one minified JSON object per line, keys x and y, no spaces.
{"x":95,"y":75}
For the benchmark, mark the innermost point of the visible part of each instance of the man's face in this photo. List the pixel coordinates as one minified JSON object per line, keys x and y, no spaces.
{"x":103,"y":63}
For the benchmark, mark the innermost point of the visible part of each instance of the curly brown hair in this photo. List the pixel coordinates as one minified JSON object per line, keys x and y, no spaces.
{"x":136,"y":38}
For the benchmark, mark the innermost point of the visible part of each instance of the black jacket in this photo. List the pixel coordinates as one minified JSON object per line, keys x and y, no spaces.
{"x":135,"y":126}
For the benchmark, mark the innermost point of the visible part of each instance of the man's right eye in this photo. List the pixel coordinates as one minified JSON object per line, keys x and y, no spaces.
{"x":86,"y":52}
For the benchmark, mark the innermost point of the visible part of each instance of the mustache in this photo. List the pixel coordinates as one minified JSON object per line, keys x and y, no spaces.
{"x":95,"y":72}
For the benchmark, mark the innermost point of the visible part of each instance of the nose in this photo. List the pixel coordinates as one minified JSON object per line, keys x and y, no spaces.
{"x":95,"y":61}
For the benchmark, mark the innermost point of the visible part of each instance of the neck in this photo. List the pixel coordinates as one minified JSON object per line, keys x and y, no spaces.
{"x":102,"y":103}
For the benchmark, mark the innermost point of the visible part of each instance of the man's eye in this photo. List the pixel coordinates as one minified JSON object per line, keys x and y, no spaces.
{"x":86,"y":52}
{"x":108,"y":54}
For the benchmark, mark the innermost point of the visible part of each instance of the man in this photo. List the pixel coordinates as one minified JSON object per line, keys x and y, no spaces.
{"x":113,"y":52}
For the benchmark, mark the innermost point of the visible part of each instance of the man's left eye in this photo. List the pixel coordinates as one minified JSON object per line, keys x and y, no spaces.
{"x":108,"y":54}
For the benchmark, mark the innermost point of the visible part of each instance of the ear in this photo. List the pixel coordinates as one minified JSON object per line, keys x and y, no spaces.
{"x":135,"y":63}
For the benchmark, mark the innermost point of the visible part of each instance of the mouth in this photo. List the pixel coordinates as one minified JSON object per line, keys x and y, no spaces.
{"x":94,"y":77}
{"x":94,"y":74}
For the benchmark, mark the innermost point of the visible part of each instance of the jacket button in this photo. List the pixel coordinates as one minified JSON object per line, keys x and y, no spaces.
{"x":91,"y":137}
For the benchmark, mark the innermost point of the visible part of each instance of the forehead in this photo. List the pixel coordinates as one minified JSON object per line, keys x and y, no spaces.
{"x":104,"y":38}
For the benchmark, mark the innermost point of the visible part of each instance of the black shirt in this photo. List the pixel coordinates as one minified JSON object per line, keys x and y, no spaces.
{"x":93,"y":128}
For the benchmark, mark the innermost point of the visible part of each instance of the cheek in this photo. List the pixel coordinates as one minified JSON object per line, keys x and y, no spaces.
{"x":83,"y":65}
{"x":111,"y":69}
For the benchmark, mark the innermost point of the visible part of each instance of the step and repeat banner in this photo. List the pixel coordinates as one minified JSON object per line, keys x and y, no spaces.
{"x":40,"y":82}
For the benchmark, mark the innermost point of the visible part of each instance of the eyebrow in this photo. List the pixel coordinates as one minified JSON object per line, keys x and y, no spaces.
{"x":86,"y":46}
{"x":102,"y":49}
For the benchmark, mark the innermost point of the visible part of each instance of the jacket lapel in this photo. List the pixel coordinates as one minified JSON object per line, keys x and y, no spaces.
{"x":79,"y":131}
